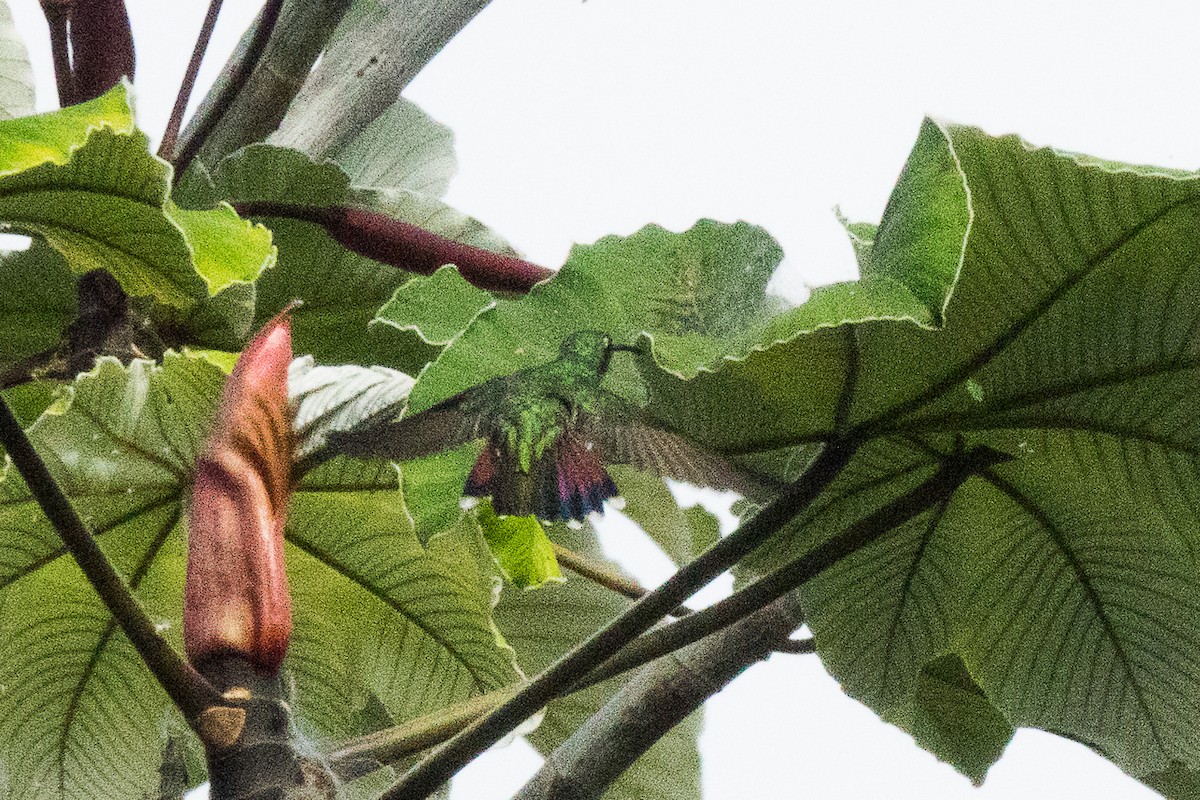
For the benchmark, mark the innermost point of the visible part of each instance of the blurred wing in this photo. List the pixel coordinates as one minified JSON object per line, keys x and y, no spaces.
{"x":624,"y":438}
{"x":442,"y":427}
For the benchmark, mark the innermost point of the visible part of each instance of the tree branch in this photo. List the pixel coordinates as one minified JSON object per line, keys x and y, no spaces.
{"x":653,"y":702}
{"x":363,"y":72}
{"x":190,"y":692}
{"x":167,"y":146}
{"x":439,"y":767}
{"x":226,"y":121}
{"x":231,"y":87}
{"x":936,"y":490}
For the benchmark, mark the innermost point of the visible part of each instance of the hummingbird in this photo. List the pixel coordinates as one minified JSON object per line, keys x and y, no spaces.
{"x":549,"y":432}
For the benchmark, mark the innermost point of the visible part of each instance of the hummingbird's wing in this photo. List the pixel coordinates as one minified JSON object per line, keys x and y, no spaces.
{"x":625,"y":437}
{"x":444,"y":426}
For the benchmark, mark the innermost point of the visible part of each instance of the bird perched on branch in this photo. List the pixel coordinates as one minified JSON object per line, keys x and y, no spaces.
{"x":549,"y":430}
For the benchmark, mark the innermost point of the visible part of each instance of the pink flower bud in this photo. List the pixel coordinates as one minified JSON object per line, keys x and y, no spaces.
{"x":236,"y":594}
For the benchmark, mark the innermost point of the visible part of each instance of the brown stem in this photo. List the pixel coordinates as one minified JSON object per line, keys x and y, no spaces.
{"x":405,"y":246}
{"x":101,"y":46}
{"x":58,"y":13}
{"x":241,"y":72}
{"x":171,"y":134}
{"x":190,"y":692}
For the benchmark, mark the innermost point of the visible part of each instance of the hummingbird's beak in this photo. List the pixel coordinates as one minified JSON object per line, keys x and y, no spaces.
{"x":626,"y":348}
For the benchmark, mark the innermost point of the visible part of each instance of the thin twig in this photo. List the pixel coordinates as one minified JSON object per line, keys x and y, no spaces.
{"x":190,"y":692}
{"x":600,"y":575}
{"x":936,"y":490}
{"x":364,"y":754}
{"x":240,"y":73}
{"x":440,"y":766}
{"x":167,"y":146}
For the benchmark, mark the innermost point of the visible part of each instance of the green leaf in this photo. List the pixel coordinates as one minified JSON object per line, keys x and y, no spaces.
{"x":543,"y":625}
{"x":375,"y":611}
{"x":1070,"y":568}
{"x":521,"y":548}
{"x":342,"y":291}
{"x":694,"y":292}
{"x":37,"y":302}
{"x":84,"y":179}
{"x":16,"y":75}
{"x":53,"y":137}
{"x":402,"y":148}
{"x":1065,"y":581}
{"x":953,"y":719}
{"x":437,"y":308}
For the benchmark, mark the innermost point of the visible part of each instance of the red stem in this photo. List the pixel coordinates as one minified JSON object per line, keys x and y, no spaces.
{"x":405,"y":246}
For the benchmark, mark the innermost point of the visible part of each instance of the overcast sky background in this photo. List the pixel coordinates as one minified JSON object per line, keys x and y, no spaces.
{"x":577,"y":120}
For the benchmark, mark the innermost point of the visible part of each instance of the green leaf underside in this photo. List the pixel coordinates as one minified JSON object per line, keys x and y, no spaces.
{"x":16,"y":75}
{"x":376,"y":612}
{"x":403,"y":148}
{"x":1066,"y":583}
{"x":543,"y":625}
{"x":84,"y":180}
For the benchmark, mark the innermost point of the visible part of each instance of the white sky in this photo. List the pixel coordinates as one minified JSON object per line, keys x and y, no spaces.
{"x":576,"y":120}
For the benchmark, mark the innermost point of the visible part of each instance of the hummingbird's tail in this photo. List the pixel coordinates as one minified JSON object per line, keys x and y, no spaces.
{"x":568,"y":482}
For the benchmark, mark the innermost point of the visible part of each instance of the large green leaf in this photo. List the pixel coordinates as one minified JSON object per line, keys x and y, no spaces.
{"x":84,"y":180}
{"x":1066,"y":580}
{"x":376,"y":612}
{"x":16,"y":75}
{"x":699,"y":294}
{"x":544,"y":624}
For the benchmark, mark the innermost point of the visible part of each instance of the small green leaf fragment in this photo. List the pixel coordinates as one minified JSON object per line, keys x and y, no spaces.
{"x":520,"y":547}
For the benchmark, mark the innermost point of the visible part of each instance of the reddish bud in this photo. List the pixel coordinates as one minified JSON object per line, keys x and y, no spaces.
{"x":101,"y":46}
{"x":236,"y":594}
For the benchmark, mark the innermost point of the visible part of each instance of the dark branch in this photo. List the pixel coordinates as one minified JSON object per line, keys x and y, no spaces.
{"x":190,"y":692}
{"x":435,"y":770}
{"x":167,"y":146}
{"x":239,"y":73}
